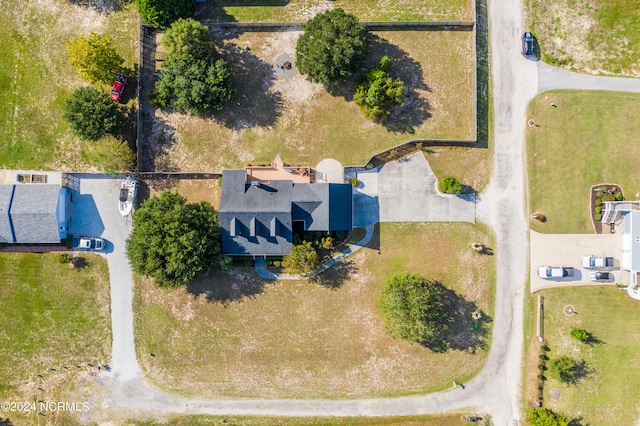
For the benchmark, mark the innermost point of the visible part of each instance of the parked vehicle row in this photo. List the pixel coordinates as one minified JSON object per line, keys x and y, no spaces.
{"x":587,"y":262}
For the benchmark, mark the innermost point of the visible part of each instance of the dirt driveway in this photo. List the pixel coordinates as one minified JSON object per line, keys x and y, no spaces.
{"x":566,"y":250}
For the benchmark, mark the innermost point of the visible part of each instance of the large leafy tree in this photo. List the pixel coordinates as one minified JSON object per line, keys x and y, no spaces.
{"x":302,"y":259}
{"x":162,"y":13}
{"x":332,"y":47}
{"x":414,"y":308}
{"x":377,"y":93}
{"x":173,"y":241}
{"x":92,"y":114}
{"x":95,"y":57}
{"x":187,"y":37}
{"x":195,"y":86}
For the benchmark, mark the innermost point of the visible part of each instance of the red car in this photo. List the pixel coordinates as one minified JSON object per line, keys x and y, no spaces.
{"x":118,"y":88}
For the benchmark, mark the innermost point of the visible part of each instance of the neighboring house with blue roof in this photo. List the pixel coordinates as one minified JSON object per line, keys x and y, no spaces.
{"x":260,"y":208}
{"x":34,"y":213}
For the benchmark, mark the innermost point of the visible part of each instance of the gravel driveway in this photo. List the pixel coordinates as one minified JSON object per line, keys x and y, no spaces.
{"x":94,"y":208}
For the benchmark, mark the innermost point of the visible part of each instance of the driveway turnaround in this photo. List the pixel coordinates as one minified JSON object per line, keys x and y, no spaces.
{"x":566,"y":250}
{"x":555,"y":78}
{"x":95,"y":207}
{"x":406,"y":191}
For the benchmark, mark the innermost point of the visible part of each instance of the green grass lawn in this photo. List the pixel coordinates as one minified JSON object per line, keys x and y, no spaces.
{"x":36,"y":79}
{"x":597,"y":37}
{"x":589,"y":138}
{"x":305,"y":123}
{"x":51,"y":315}
{"x":366,"y":10}
{"x":326,"y":339}
{"x":605,"y":396}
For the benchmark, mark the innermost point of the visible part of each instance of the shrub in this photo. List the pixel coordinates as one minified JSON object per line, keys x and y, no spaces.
{"x":580,"y":334}
{"x":187,"y":37}
{"x":377,"y":93}
{"x":302,"y":260}
{"x":565,"y":369}
{"x":277,"y":263}
{"x":619,"y":196}
{"x":598,"y":209}
{"x":546,"y":417}
{"x":450,"y":185}
{"x":64,"y":258}
{"x":598,"y":216}
{"x":598,"y":202}
{"x":544,"y":348}
{"x":327,"y":243}
{"x":543,"y":357}
{"x":354,"y":182}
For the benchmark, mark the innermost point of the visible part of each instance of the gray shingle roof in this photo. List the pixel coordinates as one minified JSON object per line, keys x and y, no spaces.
{"x":32,"y":213}
{"x":256,"y":220}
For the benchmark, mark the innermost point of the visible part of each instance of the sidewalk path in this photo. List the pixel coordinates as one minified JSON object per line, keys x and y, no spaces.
{"x":555,"y":78}
{"x":260,"y":264}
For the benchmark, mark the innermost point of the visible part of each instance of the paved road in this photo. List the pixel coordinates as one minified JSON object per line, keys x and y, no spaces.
{"x":555,"y":78}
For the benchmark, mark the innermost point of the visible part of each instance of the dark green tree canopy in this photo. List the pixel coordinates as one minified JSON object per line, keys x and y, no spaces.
{"x":92,"y":114}
{"x":162,"y":13}
{"x":173,"y":241}
{"x":194,"y":86}
{"x":566,"y":369}
{"x":377,"y":93}
{"x":414,"y":308}
{"x":187,"y":37}
{"x":332,"y":47}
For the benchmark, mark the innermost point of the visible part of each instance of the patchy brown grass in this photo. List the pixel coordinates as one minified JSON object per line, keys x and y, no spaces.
{"x":305,"y":123}
{"x":312,"y":339}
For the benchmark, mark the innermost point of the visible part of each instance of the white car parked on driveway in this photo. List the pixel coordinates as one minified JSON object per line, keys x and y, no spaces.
{"x":550,"y":272}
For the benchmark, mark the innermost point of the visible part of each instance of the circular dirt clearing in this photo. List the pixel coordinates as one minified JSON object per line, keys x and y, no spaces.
{"x":555,"y":394}
{"x":284,"y":66}
{"x":330,"y":171}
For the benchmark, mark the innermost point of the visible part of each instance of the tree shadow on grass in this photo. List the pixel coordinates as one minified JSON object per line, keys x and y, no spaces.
{"x":593,"y":340}
{"x":415,"y":111}
{"x":255,"y":103}
{"x":226,"y":286}
{"x":335,"y":276}
{"x":463,"y":332}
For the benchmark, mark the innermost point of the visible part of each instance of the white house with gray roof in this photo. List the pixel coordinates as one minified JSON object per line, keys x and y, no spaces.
{"x":32,"y":213}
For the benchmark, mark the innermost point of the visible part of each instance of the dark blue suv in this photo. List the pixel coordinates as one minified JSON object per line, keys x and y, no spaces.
{"x":527,"y":46}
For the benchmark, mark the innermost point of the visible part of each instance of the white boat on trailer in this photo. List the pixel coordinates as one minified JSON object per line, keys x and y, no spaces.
{"x":127,"y":196}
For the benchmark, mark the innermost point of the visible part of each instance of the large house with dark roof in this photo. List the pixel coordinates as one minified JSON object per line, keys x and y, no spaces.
{"x":34,"y":213}
{"x":260,"y":208}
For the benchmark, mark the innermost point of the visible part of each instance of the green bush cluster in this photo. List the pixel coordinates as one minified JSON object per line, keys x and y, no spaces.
{"x":545,"y":417}
{"x":377,"y":93}
{"x":450,"y":185}
{"x":580,"y":334}
{"x":64,"y":258}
